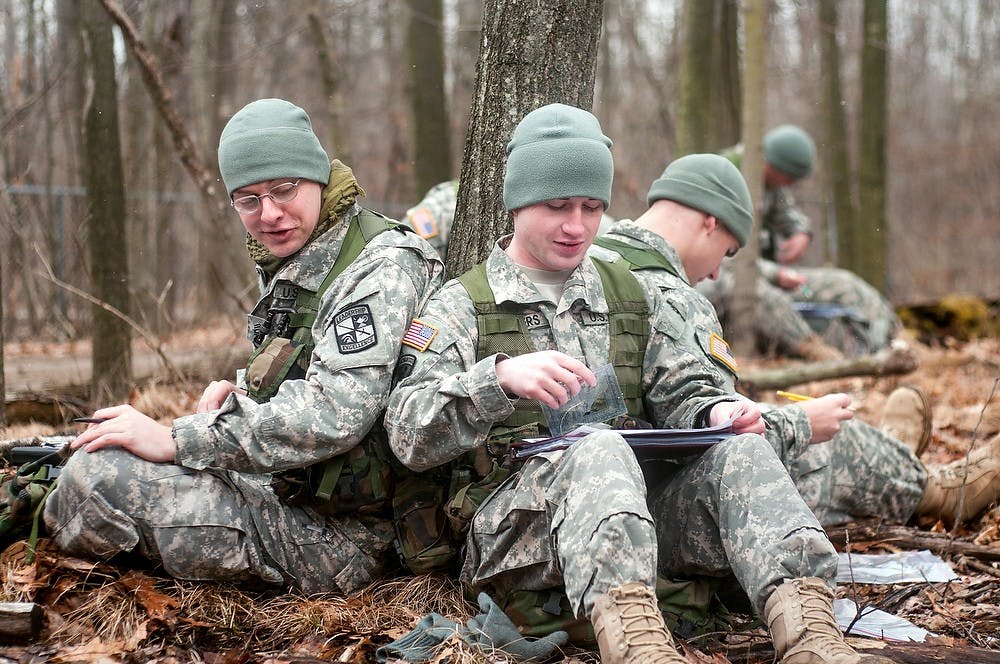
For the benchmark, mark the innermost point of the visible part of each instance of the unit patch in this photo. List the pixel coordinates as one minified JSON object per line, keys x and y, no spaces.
{"x":719,"y":349}
{"x":355,"y":329}
{"x":419,"y":335}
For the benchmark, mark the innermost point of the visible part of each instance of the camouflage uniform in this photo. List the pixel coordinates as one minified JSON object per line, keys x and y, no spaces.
{"x":207,"y":516}
{"x":860,"y":472}
{"x":431,"y":218}
{"x":579,"y":518}
{"x":871,"y":323}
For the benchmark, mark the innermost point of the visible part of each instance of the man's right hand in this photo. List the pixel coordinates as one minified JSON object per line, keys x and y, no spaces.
{"x":547,"y":376}
{"x":825,"y":415}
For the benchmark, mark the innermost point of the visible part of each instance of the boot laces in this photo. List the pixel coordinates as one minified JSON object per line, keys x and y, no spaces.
{"x":817,"y":616}
{"x":642,"y":623}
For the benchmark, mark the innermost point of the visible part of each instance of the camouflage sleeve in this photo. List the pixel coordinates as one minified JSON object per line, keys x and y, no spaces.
{"x":361,"y":319}
{"x":788,"y":430}
{"x":433,"y":216}
{"x":680,"y":383}
{"x":445,"y":402}
{"x":768,"y":270}
{"x":783,"y":217}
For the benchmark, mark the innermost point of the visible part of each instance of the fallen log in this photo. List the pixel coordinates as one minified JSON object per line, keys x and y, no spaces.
{"x":20,"y":620}
{"x":909,"y":538}
{"x":887,"y":362}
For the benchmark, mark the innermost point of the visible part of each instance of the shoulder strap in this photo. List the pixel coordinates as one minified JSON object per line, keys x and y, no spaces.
{"x":640,"y":259}
{"x":628,"y":315}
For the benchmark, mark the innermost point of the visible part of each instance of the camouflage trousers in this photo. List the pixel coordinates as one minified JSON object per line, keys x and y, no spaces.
{"x":779,"y":326}
{"x":871,"y":325}
{"x":576,"y":518}
{"x":734,"y":510}
{"x":208,"y":525}
{"x":873,"y":322}
{"x":859,"y":473}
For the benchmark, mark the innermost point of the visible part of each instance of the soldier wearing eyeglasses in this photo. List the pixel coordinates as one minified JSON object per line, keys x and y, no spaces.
{"x":281,"y":477}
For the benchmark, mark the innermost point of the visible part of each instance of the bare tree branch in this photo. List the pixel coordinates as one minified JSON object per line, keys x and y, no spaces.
{"x":164,"y":103}
{"x":150,"y":339}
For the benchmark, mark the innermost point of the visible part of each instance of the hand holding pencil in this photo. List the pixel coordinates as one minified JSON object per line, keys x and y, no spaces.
{"x":825,"y":413}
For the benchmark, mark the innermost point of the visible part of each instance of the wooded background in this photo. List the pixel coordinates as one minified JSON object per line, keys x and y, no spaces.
{"x":390,"y":86}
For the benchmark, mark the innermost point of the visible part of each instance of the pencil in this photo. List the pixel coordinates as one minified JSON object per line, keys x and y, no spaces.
{"x":90,"y":420}
{"x":792,"y":396}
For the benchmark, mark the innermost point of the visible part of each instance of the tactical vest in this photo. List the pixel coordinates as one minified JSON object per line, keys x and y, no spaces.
{"x":638,"y":258}
{"x":428,"y":537}
{"x":356,"y":480}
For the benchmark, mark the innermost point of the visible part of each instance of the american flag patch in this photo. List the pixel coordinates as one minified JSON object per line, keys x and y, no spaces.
{"x":420,"y":335}
{"x":423,"y":222}
{"x":719,"y":349}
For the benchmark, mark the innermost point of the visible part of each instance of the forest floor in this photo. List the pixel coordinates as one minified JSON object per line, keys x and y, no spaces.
{"x":97,"y":612}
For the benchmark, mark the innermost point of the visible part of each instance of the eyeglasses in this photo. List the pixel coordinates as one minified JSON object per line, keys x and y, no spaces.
{"x":282,"y":193}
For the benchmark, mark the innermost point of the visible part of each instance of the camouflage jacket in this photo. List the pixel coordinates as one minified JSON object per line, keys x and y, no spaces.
{"x":361,"y":318}
{"x":701,"y":354}
{"x":781,"y":217}
{"x":432,"y":217}
{"x":447,"y":401}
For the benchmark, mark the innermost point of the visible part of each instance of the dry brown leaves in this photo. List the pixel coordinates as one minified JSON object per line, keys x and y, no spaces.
{"x":99,"y":613}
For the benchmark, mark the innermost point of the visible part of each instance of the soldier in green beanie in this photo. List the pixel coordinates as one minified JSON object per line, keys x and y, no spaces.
{"x":816,"y":313}
{"x":845,"y":469}
{"x":504,"y":353}
{"x":338,"y":286}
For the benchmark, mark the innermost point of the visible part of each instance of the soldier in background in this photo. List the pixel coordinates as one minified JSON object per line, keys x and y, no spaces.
{"x":339,"y":284}
{"x":861,"y":471}
{"x":814,"y":313}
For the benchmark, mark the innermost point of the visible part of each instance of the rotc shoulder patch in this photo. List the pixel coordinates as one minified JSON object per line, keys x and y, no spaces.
{"x":355,"y":329}
{"x":419,"y":335}
{"x":719,"y":349}
{"x":423,"y":223}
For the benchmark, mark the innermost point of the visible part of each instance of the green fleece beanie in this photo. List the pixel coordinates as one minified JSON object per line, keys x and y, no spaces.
{"x":269,"y":139}
{"x":711,"y":184}
{"x":557,"y":151}
{"x":790,"y":149}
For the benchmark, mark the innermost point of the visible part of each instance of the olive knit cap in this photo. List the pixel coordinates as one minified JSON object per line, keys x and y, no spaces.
{"x":709,"y":183}
{"x":790,"y":149}
{"x":269,"y":139}
{"x":557,"y":151}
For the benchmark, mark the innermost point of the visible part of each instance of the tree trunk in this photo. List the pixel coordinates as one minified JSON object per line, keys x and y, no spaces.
{"x":332,"y":79}
{"x":694,"y":116}
{"x":727,"y":96}
{"x":742,"y":327}
{"x":428,"y":103}
{"x":112,"y":353}
{"x":870,"y":263}
{"x":531,"y":54}
{"x":835,"y":154}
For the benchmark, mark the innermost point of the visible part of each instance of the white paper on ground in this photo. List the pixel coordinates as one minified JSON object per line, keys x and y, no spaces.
{"x":902,"y":567}
{"x":876,"y":623}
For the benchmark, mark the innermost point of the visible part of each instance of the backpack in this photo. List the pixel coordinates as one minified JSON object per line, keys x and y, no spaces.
{"x":23,"y":494}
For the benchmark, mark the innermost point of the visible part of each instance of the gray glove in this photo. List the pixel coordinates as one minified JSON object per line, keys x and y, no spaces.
{"x":419,"y":644}
{"x":493,"y":630}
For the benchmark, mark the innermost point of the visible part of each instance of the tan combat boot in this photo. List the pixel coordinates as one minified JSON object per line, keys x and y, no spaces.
{"x":799,"y":614}
{"x":815,"y":349}
{"x":630,"y":628}
{"x":907,"y":418}
{"x":976,"y":486}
